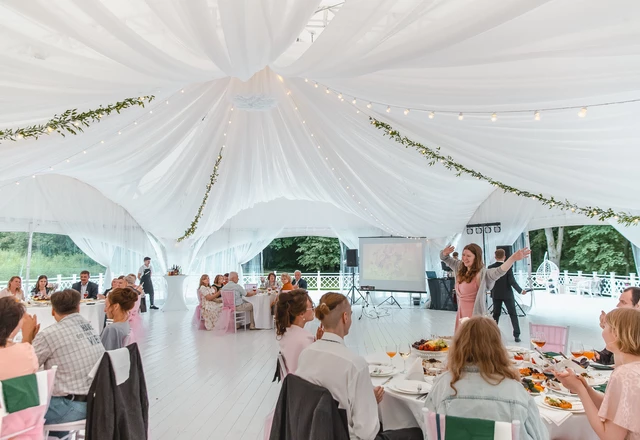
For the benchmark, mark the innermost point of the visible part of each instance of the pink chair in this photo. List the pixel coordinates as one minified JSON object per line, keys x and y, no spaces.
{"x":27,"y":424}
{"x":198,"y":321}
{"x":230,"y":317}
{"x":135,"y":322}
{"x":556,"y":337}
{"x":435,"y":427}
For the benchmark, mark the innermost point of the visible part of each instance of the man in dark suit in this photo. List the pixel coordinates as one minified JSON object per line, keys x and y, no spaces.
{"x":298,"y":281}
{"x":502,"y":294}
{"x":84,"y":286}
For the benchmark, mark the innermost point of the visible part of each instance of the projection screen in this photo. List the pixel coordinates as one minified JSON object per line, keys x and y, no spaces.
{"x":392,"y":264}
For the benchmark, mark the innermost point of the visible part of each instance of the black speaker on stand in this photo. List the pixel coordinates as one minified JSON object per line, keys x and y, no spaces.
{"x":352,"y":263}
{"x":352,"y":257}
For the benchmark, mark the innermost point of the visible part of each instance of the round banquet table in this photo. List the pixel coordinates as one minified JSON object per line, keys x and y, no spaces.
{"x":92,"y":312}
{"x":397,"y":410}
{"x":175,"y":293}
{"x":262,"y":309}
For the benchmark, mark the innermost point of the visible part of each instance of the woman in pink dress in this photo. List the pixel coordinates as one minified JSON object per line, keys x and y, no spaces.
{"x":614,"y":414}
{"x":473,"y":279}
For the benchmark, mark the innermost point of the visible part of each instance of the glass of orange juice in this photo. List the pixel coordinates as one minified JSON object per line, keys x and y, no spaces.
{"x":590,"y":354}
{"x":391,"y":351}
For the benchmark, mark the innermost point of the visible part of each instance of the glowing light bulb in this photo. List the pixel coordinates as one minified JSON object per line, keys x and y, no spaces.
{"x":432,"y":115}
{"x":327,"y":90}
{"x":583,"y":112}
{"x":182,"y":91}
{"x":315,"y":85}
{"x":354,"y":101}
{"x":388,"y":109}
{"x":536,"y":115}
{"x":339,"y":95}
{"x":406,"y":112}
{"x":460,"y":116}
{"x":49,"y":129}
{"x":369,"y":105}
{"x":494,"y":117}
{"x":306,"y":80}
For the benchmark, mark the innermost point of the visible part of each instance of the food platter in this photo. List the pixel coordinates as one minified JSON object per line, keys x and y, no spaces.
{"x":431,"y":348}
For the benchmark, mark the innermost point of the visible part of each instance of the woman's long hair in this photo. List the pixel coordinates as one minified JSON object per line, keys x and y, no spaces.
{"x":625,"y":325}
{"x":275,"y":280}
{"x":466,"y":275}
{"x":289,"y":305}
{"x":202,"y":277}
{"x":11,"y":281}
{"x":36,"y":289}
{"x":215,"y":280}
{"x":478,"y":343}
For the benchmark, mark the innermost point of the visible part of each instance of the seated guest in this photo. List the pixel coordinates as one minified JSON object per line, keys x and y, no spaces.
{"x":42,"y":290}
{"x":117,"y":308}
{"x":293,"y":310}
{"x":15,"y":359}
{"x":88,"y":289}
{"x":240,"y":294}
{"x":225,"y":279}
{"x":298,"y":281}
{"x":613,"y":415}
{"x":481,"y":382}
{"x":330,"y":364}
{"x":13,"y":289}
{"x":629,"y":299}
{"x":218,"y":282}
{"x":272,"y":283}
{"x":114,"y":285}
{"x":210,"y":304}
{"x":135,"y":320}
{"x":73,"y":345}
{"x":285,"y":279}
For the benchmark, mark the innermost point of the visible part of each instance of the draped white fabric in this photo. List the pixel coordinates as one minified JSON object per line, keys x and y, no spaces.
{"x":298,"y":160}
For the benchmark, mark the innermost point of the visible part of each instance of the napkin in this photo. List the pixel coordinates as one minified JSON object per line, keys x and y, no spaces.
{"x":415,"y":371}
{"x":554,"y":416}
{"x":601,"y":388}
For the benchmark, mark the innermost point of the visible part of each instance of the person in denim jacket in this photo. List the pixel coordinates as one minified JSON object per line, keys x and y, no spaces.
{"x":481,"y":383}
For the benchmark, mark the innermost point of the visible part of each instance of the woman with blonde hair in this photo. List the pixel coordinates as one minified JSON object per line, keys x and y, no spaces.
{"x":613,"y":414}
{"x":210,"y":307}
{"x":285,"y":278}
{"x":473,"y":279}
{"x":14,"y":288}
{"x":481,"y":382}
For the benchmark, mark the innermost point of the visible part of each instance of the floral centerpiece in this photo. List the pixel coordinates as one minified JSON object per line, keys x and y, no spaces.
{"x":174,"y":270}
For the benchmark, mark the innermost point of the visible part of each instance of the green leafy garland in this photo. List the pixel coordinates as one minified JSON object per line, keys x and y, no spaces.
{"x":212,"y":181}
{"x":434,"y":156}
{"x":71,"y":121}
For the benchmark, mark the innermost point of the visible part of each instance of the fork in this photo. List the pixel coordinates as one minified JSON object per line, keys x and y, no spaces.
{"x":422,"y":397}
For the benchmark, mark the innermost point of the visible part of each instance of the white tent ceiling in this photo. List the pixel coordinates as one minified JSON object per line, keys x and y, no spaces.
{"x":242,"y":74}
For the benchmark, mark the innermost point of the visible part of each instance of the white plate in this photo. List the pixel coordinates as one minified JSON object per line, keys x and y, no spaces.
{"x":560,"y":389}
{"x":411,"y":386}
{"x":577,"y":406}
{"x":430,"y":354}
{"x":596,"y":379}
{"x":535,"y":380}
{"x":382,"y":370}
{"x":514,"y":349}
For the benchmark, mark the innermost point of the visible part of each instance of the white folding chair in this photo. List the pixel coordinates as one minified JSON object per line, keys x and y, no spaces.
{"x":75,"y":429}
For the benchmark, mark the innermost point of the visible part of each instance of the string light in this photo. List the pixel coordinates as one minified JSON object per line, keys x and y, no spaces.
{"x":306,"y":80}
{"x":315,"y":85}
{"x":388,"y":109}
{"x":494,"y":117}
{"x":49,"y":129}
{"x":354,"y":101}
{"x":536,"y":116}
{"x":327,"y":91}
{"x":369,"y":105}
{"x":460,"y":116}
{"x":340,"y":96}
{"x":432,"y":115}
{"x":583,"y":112}
{"x":406,"y":112}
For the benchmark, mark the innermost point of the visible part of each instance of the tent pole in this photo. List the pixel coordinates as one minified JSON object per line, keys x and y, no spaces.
{"x":29,"y":247}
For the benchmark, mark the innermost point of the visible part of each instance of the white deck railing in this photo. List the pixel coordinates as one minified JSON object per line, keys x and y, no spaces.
{"x":609,"y":284}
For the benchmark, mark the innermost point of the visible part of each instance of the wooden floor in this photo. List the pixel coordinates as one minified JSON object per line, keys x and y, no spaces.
{"x":202,"y":386}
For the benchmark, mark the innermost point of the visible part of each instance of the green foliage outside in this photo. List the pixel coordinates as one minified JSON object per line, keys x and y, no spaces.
{"x":52,"y":254}
{"x":587,"y":248}
{"x":308,"y":254}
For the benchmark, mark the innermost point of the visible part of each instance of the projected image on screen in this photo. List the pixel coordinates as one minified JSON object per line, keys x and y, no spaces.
{"x":392,"y":263}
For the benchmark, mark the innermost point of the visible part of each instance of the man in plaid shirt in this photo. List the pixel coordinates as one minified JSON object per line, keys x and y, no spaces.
{"x":73,"y":345}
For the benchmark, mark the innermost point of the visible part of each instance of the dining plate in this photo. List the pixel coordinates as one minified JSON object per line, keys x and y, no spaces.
{"x":558,"y":388}
{"x":532,"y":379}
{"x":577,"y":406}
{"x":412,"y":386}
{"x":598,"y":366}
{"x":382,"y":370}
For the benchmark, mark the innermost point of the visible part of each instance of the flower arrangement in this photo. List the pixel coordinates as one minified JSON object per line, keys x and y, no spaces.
{"x":174,"y":270}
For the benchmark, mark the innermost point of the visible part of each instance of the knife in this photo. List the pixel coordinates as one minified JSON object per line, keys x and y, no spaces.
{"x":386,"y":381}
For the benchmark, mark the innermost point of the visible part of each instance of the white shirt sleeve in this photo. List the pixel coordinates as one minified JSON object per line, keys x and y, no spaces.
{"x":364,"y":408}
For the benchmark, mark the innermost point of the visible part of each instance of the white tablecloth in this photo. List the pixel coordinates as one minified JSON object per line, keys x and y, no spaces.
{"x":398,"y":410}
{"x":94,"y":313}
{"x":262,"y":310}
{"x":175,"y":293}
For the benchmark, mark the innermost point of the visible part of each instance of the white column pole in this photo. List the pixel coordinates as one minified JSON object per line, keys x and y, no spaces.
{"x":29,"y":247}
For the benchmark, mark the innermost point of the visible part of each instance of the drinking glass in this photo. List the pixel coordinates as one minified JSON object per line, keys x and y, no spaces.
{"x":577,"y":349}
{"x":391,"y":352}
{"x":538,"y":339}
{"x":405,"y":351}
{"x":590,"y":354}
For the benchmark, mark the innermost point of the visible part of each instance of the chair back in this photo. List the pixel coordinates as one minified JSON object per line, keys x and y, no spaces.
{"x":283,"y":366}
{"x":435,"y":425}
{"x":228,"y":300}
{"x":197,"y":321}
{"x":556,"y":337}
{"x":27,"y":423}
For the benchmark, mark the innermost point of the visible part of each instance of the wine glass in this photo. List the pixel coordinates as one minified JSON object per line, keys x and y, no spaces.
{"x":577,"y":349}
{"x":405,"y":351}
{"x":391,"y":352}
{"x":538,"y":339}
